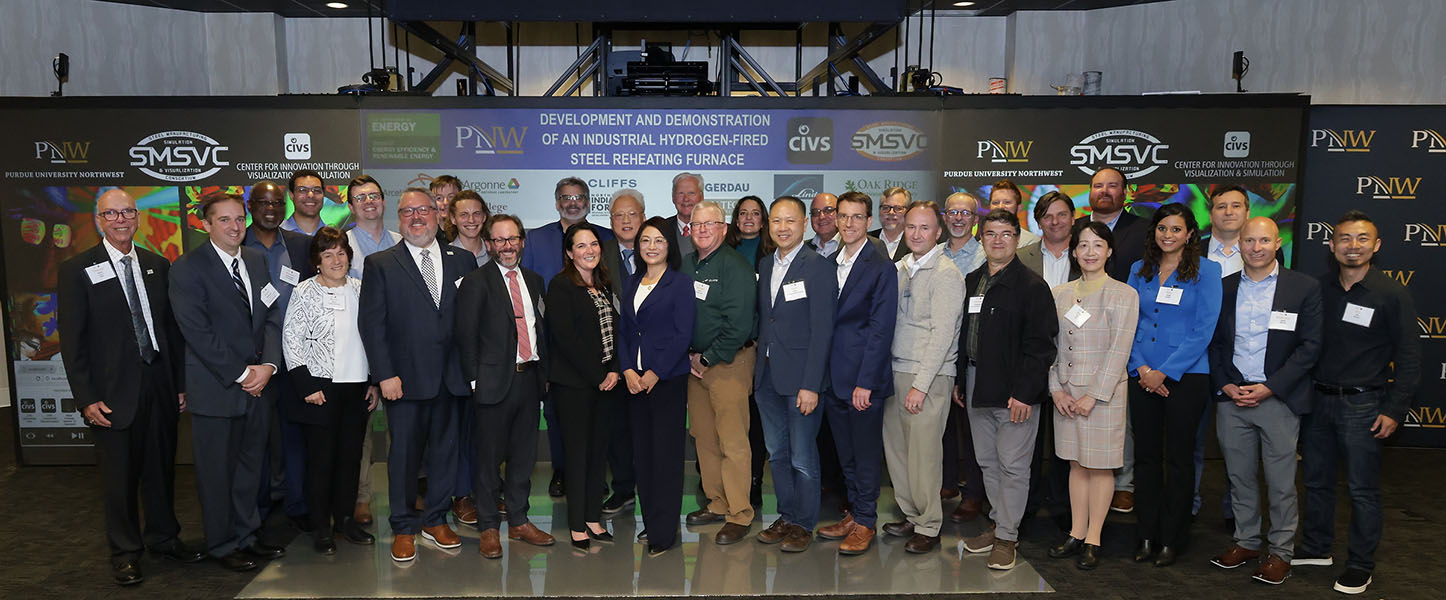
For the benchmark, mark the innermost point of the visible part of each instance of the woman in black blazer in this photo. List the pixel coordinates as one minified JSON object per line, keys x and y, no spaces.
{"x":583,"y":370}
{"x":657,"y":326}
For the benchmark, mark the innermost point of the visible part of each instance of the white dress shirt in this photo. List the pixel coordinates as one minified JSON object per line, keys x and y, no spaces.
{"x":349,"y":365}
{"x":528,"y":313}
{"x":1228,"y":258}
{"x":139,"y":282}
{"x":894,"y":245}
{"x":226,"y":260}
{"x":846,"y":264}
{"x":1056,"y":268}
{"x":436,"y":255}
{"x":780,"y":268}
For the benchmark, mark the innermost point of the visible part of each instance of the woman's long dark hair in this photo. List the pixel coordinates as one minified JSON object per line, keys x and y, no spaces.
{"x":1189,"y":267}
{"x":600,"y":276}
{"x":735,"y":235}
{"x":661,"y":224}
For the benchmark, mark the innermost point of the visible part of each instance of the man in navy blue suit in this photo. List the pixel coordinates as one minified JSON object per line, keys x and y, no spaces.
{"x":859,"y":369}
{"x":797,"y":292}
{"x":408,"y":300}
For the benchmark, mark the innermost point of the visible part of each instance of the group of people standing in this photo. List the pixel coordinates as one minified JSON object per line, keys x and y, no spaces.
{"x":1075,"y":368}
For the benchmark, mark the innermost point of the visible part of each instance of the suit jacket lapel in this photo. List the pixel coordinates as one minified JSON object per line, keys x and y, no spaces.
{"x":403,"y":256}
{"x":866,"y":255}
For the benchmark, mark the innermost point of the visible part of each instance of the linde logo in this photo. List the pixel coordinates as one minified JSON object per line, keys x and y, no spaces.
{"x":297,"y":146}
{"x":1134,"y":153}
{"x":1387,"y":188}
{"x":1426,"y":235}
{"x":889,"y":141}
{"x":1432,"y":328}
{"x":801,"y":186}
{"x":1319,"y":230}
{"x":1237,"y":144}
{"x":1342,"y":140}
{"x":1433,"y":141}
{"x":179,"y":156}
{"x":1404,"y":277}
{"x":1004,"y":151}
{"x":810,"y":140}
{"x":496,"y":140}
{"x":63,"y":152}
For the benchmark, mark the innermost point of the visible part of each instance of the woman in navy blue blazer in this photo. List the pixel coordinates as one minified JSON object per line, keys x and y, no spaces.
{"x":1179,"y":293}
{"x":657,"y":325}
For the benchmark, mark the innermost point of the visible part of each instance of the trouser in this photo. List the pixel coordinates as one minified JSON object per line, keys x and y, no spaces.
{"x":792,"y":439}
{"x":285,"y":459}
{"x":1338,"y":430}
{"x":959,"y":453}
{"x":229,"y":455}
{"x":584,"y":416}
{"x":858,"y":437}
{"x":1267,"y":433}
{"x":910,"y":451}
{"x":139,"y":463}
{"x":620,"y":446}
{"x":466,"y":446}
{"x":1048,"y":473}
{"x":330,"y":488}
{"x":555,"y":452}
{"x":507,"y":433}
{"x":757,"y":450}
{"x":1125,"y":475}
{"x":1004,"y":450}
{"x":422,"y":430}
{"x":364,"y":472}
{"x":658,"y":439}
{"x":1200,"y":465}
{"x":1164,"y":446}
{"x":718,"y":420}
{"x":830,"y":472}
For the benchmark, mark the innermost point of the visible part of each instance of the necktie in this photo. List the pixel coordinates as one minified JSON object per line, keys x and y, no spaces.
{"x":686,"y":230}
{"x":524,"y":341}
{"x":431,"y":278}
{"x":138,"y":320}
{"x":628,"y":260}
{"x":240,"y":286}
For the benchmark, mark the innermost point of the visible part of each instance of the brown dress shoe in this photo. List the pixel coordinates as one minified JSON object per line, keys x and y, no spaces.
{"x":1123,"y":501}
{"x":1235,"y":557}
{"x":404,"y":547}
{"x":797,"y":539}
{"x":838,"y":530}
{"x":363,"y":513}
{"x":920,"y":543}
{"x":464,"y":510}
{"x":730,"y":533}
{"x":442,"y":536}
{"x":490,"y":544}
{"x":968,"y":510}
{"x":948,"y":493}
{"x":858,"y":541}
{"x":899,"y":529}
{"x":529,"y":533}
{"x":774,"y":533}
{"x":1273,"y":571}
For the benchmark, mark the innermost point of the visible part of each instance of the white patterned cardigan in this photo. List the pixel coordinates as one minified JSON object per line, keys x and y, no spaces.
{"x":308,"y":335}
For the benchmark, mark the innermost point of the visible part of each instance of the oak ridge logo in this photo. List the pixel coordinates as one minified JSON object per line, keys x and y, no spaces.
{"x":1135,"y":153}
{"x":179,"y":156}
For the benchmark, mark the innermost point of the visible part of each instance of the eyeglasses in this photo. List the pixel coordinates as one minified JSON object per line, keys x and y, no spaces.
{"x":506,"y":241}
{"x":825,"y":211}
{"x":307,"y":190}
{"x":572,"y":198}
{"x":852,"y":218}
{"x":956,"y":213}
{"x":1002,"y":235}
{"x":269,"y":203}
{"x":367,"y":198}
{"x":892,"y":209}
{"x":420,"y":211}
{"x":632,"y":214}
{"x":708,"y":224}
{"x":116,"y":214}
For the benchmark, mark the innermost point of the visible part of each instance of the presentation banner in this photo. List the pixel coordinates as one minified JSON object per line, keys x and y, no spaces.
{"x":1390,"y":162}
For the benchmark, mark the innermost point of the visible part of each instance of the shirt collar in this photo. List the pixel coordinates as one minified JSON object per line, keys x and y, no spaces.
{"x":417,"y":250}
{"x":1274,"y":274}
{"x":1218,"y":248}
{"x":843,"y":259}
{"x":225,"y":258}
{"x":504,"y":270}
{"x":970,"y":247}
{"x":116,"y":255}
{"x":784,"y":261}
{"x":915,"y":265}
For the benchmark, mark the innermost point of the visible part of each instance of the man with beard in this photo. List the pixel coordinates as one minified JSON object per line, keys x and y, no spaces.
{"x":961,"y":212}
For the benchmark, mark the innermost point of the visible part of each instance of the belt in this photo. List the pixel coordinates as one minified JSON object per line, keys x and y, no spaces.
{"x":1346,"y":390}
{"x":524,"y":367}
{"x":747,"y":344}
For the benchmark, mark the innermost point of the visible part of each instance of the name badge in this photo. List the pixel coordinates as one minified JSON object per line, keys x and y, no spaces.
{"x":794,"y":291}
{"x":700,"y":290}
{"x":1358,"y":315}
{"x":1283,"y":320}
{"x":289,"y":275}
{"x":1170,"y":295}
{"x":1077,"y":315}
{"x":100,"y":272}
{"x":269,"y":295}
{"x":334,"y":301}
{"x":976,"y":304}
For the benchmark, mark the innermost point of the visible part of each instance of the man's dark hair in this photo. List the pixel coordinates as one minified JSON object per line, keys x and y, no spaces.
{"x":204,"y":204}
{"x":363,"y":180}
{"x":444,"y":180}
{"x":1000,"y":215}
{"x":298,"y":174}
{"x":1222,"y":190}
{"x":803,"y":208}
{"x":495,"y":219}
{"x":861,"y":198}
{"x":1354,"y":215}
{"x":1042,"y":205}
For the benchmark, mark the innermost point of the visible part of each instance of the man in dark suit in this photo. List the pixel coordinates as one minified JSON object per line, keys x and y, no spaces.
{"x":228,"y":312}
{"x":687,"y":193}
{"x":627,"y":215}
{"x":892,"y":205}
{"x":797,"y":292}
{"x":503,"y":349}
{"x":860,"y":373}
{"x":1266,"y":342}
{"x":408,"y":301}
{"x":117,"y":335}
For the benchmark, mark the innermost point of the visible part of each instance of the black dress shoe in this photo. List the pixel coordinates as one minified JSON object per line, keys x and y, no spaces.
{"x":238,"y":561}
{"x":703,"y":516}
{"x":556,"y":488}
{"x":1145,"y":551}
{"x":643,"y":536}
{"x":1070,"y":547}
{"x":605,"y":536}
{"x":1089,"y":558}
{"x":179,"y":553}
{"x":353,"y":532}
{"x":582,"y":544}
{"x":1166,"y":557}
{"x":655,"y":550}
{"x":616,"y":504}
{"x":260,"y":550}
{"x":127,"y":573}
{"x":899,"y":529}
{"x":325,"y":545}
{"x":302,"y":523}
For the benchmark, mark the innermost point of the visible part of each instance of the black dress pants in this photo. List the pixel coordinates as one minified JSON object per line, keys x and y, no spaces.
{"x":1165,"y":456}
{"x":139,"y":463}
{"x":330,"y":488}
{"x":659,"y":431}
{"x":584,"y":415}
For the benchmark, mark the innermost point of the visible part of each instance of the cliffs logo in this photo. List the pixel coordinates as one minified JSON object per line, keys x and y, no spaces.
{"x":1319,"y":230}
{"x":491,"y":140}
{"x":63,"y":152}
{"x":801,"y":186}
{"x":1387,"y":188}
{"x":1134,"y":153}
{"x":179,"y":156}
{"x":1427,"y":235}
{"x":1429,"y":139}
{"x":889,"y":141}
{"x":810,"y":140}
{"x":1342,"y":140}
{"x":1004,"y":151}
{"x":1402,"y":277}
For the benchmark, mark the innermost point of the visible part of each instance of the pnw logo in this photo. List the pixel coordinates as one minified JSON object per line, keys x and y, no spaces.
{"x":1428,"y":236}
{"x":1342,"y":140}
{"x":1004,"y":151}
{"x":1319,"y":230}
{"x":1431,"y":139}
{"x":1432,"y":328}
{"x":63,"y":153}
{"x":1404,"y":277}
{"x":1388,"y":188}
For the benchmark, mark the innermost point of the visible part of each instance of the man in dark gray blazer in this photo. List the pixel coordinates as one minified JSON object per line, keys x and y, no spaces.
{"x":228,"y":312}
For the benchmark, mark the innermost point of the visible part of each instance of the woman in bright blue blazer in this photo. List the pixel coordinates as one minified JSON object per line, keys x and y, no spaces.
{"x":657,"y":309}
{"x":1179,"y":293}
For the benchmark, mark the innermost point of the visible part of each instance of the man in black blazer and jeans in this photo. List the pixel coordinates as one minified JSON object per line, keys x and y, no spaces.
{"x":228,"y":312}
{"x":504,"y":360}
{"x":117,"y":334}
{"x":408,"y":302}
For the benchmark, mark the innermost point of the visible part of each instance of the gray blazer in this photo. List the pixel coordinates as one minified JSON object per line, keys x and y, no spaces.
{"x":1033,"y":257}
{"x":926,"y":332}
{"x":1092,"y":358}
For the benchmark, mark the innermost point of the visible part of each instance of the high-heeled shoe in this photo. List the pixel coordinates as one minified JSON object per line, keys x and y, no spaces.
{"x":1145,"y":551}
{"x":581,"y":544}
{"x":1089,"y":558}
{"x":1070,"y":547}
{"x":605,"y":536}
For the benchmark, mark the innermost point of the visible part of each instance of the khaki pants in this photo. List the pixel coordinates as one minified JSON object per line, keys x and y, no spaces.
{"x":913,"y":452}
{"x":718,"y":421}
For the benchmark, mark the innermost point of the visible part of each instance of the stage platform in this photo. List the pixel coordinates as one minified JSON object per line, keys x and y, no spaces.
{"x":697,"y":567}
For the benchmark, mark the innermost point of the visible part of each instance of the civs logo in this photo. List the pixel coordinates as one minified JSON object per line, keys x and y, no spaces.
{"x":64,"y":152}
{"x":1342,"y":140}
{"x":1135,"y":153}
{"x":179,"y":156}
{"x":810,"y":140}
{"x":1387,"y":188}
{"x":1237,"y":144}
{"x":492,"y":140}
{"x":889,"y":141}
{"x":297,"y":146}
{"x":1004,"y":151}
{"x":1430,"y":139}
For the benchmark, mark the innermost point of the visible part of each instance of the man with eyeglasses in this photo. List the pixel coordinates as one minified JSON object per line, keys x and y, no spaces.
{"x":408,"y":301}
{"x":122,"y":353}
{"x":308,"y":195}
{"x":687,"y":193}
{"x":544,"y":257}
{"x":961,"y":212}
{"x":628,"y":213}
{"x":892,"y":206}
{"x":367,"y":236}
{"x":822,"y":217}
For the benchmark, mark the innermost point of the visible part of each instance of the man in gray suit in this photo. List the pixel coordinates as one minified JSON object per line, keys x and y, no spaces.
{"x":628,"y":214}
{"x":1050,"y":258}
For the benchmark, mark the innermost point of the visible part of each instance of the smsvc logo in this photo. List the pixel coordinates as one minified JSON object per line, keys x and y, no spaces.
{"x":889,"y":141}
{"x":179,"y":156}
{"x":1134,"y":153}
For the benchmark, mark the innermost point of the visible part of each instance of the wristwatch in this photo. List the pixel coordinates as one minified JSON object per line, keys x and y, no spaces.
{"x":703,"y":360}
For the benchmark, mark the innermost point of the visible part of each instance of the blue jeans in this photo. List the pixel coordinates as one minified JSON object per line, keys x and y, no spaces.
{"x":1339,"y":430}
{"x":792,"y":440}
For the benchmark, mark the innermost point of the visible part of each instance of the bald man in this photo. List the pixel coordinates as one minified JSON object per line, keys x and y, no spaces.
{"x":823,"y":217}
{"x":1266,"y":342}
